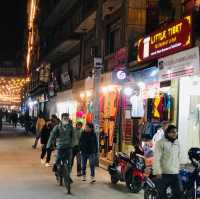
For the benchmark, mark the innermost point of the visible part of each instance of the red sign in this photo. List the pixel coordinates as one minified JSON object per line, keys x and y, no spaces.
{"x":172,"y":38}
{"x":119,"y":59}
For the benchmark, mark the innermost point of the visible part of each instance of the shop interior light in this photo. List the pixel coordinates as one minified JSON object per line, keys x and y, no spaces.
{"x":104,"y":89}
{"x":141,"y":85}
{"x":82,"y":95}
{"x":128,"y":91}
{"x":154,"y":72}
{"x":88,"y":93}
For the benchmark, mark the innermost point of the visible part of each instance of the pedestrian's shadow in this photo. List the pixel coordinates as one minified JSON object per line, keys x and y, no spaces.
{"x":119,"y":187}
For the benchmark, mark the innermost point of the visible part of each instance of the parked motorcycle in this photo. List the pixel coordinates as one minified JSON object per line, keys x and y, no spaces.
{"x":129,"y":170}
{"x":190,"y":180}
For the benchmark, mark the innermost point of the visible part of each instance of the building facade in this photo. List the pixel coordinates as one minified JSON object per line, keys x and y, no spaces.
{"x":67,"y":37}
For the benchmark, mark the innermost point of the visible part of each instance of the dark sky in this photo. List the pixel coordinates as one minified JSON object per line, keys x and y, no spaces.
{"x":12,"y":26}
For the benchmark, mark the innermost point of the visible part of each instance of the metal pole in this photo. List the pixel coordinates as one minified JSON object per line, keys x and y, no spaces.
{"x":97,"y":69}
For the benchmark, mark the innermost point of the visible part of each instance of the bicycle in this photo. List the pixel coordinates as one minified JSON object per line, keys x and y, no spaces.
{"x":62,"y":173}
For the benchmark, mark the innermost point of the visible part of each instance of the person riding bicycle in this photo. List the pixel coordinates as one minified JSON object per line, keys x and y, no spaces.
{"x":63,"y":135}
{"x":167,"y":164}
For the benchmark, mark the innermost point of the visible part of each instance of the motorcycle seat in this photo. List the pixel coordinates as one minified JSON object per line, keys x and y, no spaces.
{"x":124,"y":156}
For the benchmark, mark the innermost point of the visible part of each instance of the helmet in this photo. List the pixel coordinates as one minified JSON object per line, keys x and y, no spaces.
{"x":194,"y":153}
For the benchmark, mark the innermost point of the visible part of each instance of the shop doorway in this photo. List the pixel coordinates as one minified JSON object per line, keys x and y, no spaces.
{"x":189,"y":115}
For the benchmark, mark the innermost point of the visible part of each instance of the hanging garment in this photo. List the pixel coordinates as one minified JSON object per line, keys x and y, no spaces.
{"x":106,"y":106}
{"x":90,"y":107}
{"x":146,"y":134}
{"x":166,"y":107}
{"x":160,"y":107}
{"x":113,"y":107}
{"x":156,"y":103}
{"x":89,"y":117}
{"x":111,"y":132}
{"x":101,"y":103}
{"x":149,"y":108}
{"x":137,"y":107}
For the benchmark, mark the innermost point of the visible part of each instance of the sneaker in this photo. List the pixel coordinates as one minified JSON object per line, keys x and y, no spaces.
{"x":92,"y":179}
{"x":84,"y":178}
{"x":42,"y":161}
{"x":47,"y":165}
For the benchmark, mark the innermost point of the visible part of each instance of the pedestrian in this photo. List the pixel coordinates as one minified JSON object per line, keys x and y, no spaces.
{"x":45,"y":134}
{"x":76,"y":147}
{"x":1,"y":117}
{"x":89,"y":149}
{"x":167,"y":164}
{"x":14,"y":118}
{"x":63,"y":135}
{"x":39,"y":125}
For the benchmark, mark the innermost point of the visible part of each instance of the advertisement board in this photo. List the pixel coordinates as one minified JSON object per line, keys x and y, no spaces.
{"x":170,"y":39}
{"x":181,"y":64}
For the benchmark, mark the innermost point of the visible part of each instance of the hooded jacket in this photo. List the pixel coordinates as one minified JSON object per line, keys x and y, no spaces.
{"x":88,"y":143}
{"x":63,"y":134}
{"x":167,"y":157}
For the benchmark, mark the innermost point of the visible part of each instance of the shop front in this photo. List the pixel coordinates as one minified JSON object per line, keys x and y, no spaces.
{"x":65,"y":103}
{"x":184,"y":68}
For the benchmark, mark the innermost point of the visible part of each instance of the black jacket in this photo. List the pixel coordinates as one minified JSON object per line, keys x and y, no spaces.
{"x":88,"y":143}
{"x":45,"y":134}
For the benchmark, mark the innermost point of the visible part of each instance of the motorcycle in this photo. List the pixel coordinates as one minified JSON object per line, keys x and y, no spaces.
{"x":190,"y":180}
{"x":129,"y":170}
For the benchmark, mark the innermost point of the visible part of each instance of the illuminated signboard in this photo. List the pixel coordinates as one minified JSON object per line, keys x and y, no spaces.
{"x":172,"y":38}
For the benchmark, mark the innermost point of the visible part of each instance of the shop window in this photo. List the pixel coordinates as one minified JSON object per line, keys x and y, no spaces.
{"x":113,"y":38}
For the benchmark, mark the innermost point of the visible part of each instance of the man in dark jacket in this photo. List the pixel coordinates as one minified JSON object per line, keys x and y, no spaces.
{"x":89,"y":149}
{"x":45,"y":134}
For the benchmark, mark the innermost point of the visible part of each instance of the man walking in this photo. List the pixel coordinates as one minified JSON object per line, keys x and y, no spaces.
{"x":167,"y":163}
{"x":39,"y":126}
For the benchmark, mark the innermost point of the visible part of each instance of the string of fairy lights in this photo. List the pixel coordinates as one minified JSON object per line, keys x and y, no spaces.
{"x":31,"y":33}
{"x":11,"y":90}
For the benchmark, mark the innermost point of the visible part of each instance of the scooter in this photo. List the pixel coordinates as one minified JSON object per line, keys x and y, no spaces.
{"x":190,"y":180}
{"x":129,"y":170}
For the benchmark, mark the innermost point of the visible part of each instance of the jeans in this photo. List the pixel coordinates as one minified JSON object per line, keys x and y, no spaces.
{"x":76,"y":153}
{"x":173,"y":181}
{"x":92,"y":158}
{"x":66,"y":156}
{"x":46,"y":151}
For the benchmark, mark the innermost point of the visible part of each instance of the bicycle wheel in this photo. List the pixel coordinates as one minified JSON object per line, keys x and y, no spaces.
{"x":66,"y":177}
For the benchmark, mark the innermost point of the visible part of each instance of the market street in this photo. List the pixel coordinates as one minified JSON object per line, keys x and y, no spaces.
{"x":22,"y":175}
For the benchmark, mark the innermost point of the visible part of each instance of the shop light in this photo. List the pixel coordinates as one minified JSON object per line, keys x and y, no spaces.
{"x":104,"y":89}
{"x":154,"y":72}
{"x":82,"y":95}
{"x":141,"y":85}
{"x":128,"y":91}
{"x":88,"y":93}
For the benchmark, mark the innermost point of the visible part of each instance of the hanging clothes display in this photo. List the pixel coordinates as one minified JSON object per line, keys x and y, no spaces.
{"x":137,"y":107}
{"x":156,"y":103}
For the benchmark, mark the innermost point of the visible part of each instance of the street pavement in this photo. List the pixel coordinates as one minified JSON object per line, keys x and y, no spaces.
{"x":23,"y":177}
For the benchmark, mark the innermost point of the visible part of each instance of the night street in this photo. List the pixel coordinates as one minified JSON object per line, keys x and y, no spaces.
{"x":22,"y":175}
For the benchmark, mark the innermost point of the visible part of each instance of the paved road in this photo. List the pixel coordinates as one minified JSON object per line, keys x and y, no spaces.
{"x":22,"y":176}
